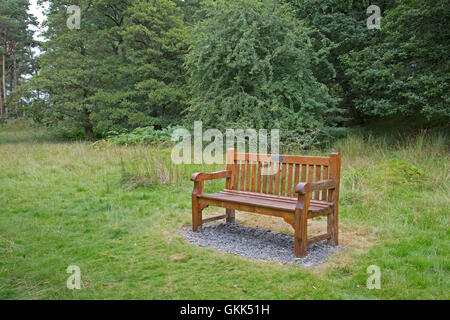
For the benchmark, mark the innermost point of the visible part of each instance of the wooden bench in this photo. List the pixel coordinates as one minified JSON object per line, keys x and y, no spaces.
{"x":295,"y":188}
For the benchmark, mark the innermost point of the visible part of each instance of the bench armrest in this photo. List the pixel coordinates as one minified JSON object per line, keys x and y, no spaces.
{"x":200,"y":176}
{"x":305,"y":187}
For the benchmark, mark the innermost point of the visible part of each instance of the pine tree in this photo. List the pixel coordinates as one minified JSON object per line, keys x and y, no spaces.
{"x":122,"y":69}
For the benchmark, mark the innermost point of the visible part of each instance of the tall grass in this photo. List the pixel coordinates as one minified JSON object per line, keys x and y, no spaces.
{"x":116,"y":212}
{"x":424,"y":157}
{"x":143,"y":166}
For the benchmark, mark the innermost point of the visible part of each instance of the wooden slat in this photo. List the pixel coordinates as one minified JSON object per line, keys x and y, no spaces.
{"x":296,"y":175}
{"x":289,"y":185}
{"x":258,"y":183}
{"x":325,"y":177}
{"x":317,"y":203}
{"x":318,"y":173}
{"x":322,"y":237}
{"x":333,"y":195}
{"x":268,"y":202}
{"x":283,"y":179}
{"x":277,"y":179}
{"x":230,"y":167}
{"x":271,"y":178}
{"x":310,"y":173}
{"x":253,"y":176}
{"x":247,"y":177}
{"x":313,"y":160}
{"x":204,"y":176}
{"x":265,"y":166}
{"x":236,"y":175}
{"x":242,"y":182}
{"x":214,"y":218}
{"x":303,"y":179}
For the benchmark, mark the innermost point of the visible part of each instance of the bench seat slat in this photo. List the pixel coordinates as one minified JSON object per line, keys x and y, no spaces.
{"x":267,"y":201}
{"x":279,"y":198}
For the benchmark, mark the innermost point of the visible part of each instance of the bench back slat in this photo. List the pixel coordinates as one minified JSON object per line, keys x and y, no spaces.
{"x":279,"y":175}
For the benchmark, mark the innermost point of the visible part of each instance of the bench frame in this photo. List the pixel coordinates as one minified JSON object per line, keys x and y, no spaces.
{"x":304,"y":191}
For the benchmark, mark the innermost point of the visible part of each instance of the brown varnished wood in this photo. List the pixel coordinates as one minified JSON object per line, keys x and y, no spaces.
{"x":265,"y":167}
{"x":211,"y":176}
{"x":247,"y":177}
{"x":289,"y":180}
{"x":314,"y":160}
{"x":277,"y":178}
{"x":230,"y":167}
{"x":304,"y":187}
{"x":333,"y":219}
{"x":310,"y":173}
{"x":253,"y":188}
{"x":317,"y":178}
{"x":276,"y":197}
{"x":274,"y":202}
{"x":258,"y":183}
{"x":296,"y":175}
{"x":242,"y":179}
{"x":309,"y":188}
{"x":301,"y":225}
{"x":303,"y":179}
{"x":271,"y":179}
{"x":325,"y":177}
{"x":283,"y":179}
{"x":237,"y":168}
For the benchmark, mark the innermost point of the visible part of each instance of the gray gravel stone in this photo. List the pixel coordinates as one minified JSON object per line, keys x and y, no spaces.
{"x":256,"y":243}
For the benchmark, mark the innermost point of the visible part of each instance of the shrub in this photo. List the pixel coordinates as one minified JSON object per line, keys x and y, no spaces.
{"x":251,"y":65}
{"x":145,"y":136}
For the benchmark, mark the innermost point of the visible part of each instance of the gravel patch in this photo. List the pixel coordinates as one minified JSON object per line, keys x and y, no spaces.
{"x":256,"y":243}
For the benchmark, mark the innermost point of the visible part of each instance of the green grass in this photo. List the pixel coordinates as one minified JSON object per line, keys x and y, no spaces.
{"x":75,"y":204}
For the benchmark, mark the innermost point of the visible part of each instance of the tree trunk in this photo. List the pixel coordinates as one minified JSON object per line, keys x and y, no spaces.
{"x":14,"y":73}
{"x":4,"y":70}
{"x":88,"y":128}
{"x":14,"y":63}
{"x":1,"y":100}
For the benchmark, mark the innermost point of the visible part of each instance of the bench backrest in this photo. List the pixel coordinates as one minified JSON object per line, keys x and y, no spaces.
{"x":278,"y":175}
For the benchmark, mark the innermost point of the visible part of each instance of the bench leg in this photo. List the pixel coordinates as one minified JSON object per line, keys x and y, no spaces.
{"x":230,"y":215}
{"x":332,"y":228}
{"x":196,"y":216}
{"x":300,"y":236}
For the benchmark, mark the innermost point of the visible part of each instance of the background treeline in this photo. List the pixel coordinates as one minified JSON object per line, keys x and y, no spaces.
{"x":311,"y":68}
{"x":17,"y":56}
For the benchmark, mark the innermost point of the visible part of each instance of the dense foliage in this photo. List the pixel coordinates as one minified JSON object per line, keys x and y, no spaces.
{"x":405,"y":71}
{"x":122,"y":69}
{"x":252,"y":66}
{"x":17,"y":55}
{"x":302,"y":66}
{"x":343,"y":24}
{"x":146,"y":136}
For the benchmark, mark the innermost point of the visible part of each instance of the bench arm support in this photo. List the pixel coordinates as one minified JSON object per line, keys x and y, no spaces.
{"x":199,"y":179}
{"x":200,"y":176}
{"x":305,"y":187}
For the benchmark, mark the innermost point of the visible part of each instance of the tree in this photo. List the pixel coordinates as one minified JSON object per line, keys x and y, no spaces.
{"x":251,"y":65}
{"x":150,"y":81}
{"x":15,"y":39}
{"x":189,"y":9}
{"x":122,"y":69}
{"x":405,"y":72}
{"x":343,"y":24}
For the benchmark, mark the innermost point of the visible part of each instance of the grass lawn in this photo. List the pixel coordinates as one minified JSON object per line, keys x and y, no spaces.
{"x":98,"y":207}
